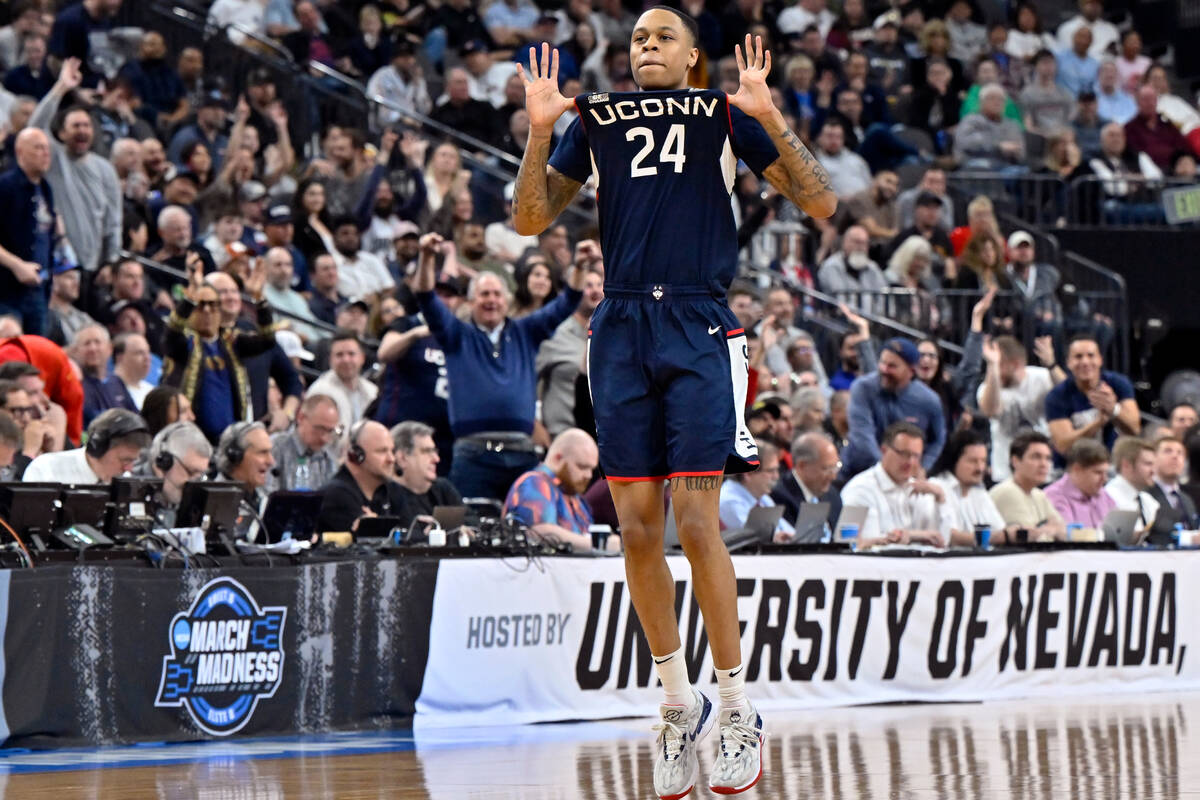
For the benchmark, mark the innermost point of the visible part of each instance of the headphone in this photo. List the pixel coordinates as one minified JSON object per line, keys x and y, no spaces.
{"x":234,"y":451}
{"x":115,"y":423}
{"x":164,"y":459}
{"x":355,"y":454}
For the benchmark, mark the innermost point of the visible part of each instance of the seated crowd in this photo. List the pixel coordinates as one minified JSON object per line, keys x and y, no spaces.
{"x":347,"y":307}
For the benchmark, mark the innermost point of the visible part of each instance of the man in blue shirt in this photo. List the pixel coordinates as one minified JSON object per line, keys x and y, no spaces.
{"x":1092,"y":403}
{"x":549,"y":498}
{"x":80,"y":31}
{"x":891,"y":395}
{"x":27,"y":225}
{"x":1076,"y":69}
{"x":490,"y":366}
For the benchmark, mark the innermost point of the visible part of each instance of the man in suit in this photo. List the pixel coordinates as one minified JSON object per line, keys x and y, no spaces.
{"x":815,"y":464}
{"x":1176,"y":504}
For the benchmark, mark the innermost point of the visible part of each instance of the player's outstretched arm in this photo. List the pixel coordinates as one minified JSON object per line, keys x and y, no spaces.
{"x":542,"y":192}
{"x":796,"y":173}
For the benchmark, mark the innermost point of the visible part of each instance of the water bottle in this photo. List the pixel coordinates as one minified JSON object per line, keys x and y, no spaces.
{"x":1071,"y":530}
{"x":1176,"y":534}
{"x":303,"y":477}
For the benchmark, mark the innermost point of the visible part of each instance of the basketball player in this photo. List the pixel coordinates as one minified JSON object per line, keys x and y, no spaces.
{"x":667,"y":357}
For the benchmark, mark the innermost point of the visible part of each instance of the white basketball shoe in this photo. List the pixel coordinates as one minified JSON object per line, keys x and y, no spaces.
{"x":676,"y":759}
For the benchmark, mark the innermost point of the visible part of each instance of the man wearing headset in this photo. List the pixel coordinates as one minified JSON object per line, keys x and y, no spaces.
{"x":179,"y":453}
{"x":114,"y":440}
{"x":244,"y":457}
{"x":364,"y":486}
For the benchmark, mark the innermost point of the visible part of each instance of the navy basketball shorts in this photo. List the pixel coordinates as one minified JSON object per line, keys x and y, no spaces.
{"x":668,"y":371}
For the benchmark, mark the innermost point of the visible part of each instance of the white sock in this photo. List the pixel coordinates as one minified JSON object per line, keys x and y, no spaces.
{"x":672,"y":671}
{"x":731,"y":685}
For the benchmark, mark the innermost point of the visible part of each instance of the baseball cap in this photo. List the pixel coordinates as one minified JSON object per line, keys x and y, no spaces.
{"x":1018,"y":238}
{"x":211,"y":99}
{"x":259,"y":77}
{"x":252,"y":191}
{"x":905,"y":349}
{"x":927,"y":198}
{"x":354,"y":301}
{"x":279,"y":215}
{"x":546,"y":19}
{"x":475,"y":46}
{"x":890,"y":18}
{"x":175,"y":173}
{"x":289,"y":342}
{"x":406,"y":228}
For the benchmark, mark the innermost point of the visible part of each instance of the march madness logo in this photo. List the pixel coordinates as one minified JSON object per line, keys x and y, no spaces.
{"x":226,"y":653}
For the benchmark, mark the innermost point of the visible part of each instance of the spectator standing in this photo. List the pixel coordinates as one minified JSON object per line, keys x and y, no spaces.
{"x":81,"y":32}
{"x":305,"y":456}
{"x":491,"y":376}
{"x":1079,"y":495}
{"x":892,"y":395}
{"x":549,"y":498}
{"x":1013,"y":394}
{"x":420,"y":487}
{"x":901,"y":508}
{"x":205,"y":358}
{"x":343,"y":382}
{"x":1091,"y":403}
{"x":27,"y":227}
{"x":1036,"y":285}
{"x":86,"y":186}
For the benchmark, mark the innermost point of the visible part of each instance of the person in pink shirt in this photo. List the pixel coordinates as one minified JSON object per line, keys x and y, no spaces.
{"x":1079,"y":495}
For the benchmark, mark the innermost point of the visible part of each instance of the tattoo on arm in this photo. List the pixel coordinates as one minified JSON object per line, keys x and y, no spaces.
{"x":696,"y":483}
{"x":541,"y":192}
{"x":797,"y":174}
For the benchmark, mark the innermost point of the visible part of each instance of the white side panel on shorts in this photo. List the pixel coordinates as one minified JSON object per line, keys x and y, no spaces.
{"x":728,"y":166}
{"x":739,"y":376}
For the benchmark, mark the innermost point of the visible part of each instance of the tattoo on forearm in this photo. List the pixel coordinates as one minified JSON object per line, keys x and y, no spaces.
{"x":802,"y":174}
{"x":696,"y":483}
{"x":541,"y":193}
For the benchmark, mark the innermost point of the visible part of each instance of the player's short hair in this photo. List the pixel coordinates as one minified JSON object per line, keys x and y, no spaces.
{"x":693,"y":28}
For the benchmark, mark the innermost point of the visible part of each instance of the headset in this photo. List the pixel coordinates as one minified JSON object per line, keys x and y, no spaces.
{"x":164,"y":459}
{"x":234,"y":451}
{"x":115,"y":423}
{"x":355,"y":454}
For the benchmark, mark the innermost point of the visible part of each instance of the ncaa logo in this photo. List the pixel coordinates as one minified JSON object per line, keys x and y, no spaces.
{"x":226,"y":653}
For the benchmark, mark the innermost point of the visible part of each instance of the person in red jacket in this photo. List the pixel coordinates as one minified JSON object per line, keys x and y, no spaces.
{"x":62,"y":382}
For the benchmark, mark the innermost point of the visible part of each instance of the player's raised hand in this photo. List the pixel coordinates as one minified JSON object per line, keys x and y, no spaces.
{"x":544,"y":102}
{"x":753,"y":95}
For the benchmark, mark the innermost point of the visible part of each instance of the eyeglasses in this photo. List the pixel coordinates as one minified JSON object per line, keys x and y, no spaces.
{"x":907,"y":455}
{"x":22,"y":411}
{"x":206,"y":305}
{"x":325,"y":430}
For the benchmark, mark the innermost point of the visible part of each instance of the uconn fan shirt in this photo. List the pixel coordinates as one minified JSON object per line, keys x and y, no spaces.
{"x":665,"y":162}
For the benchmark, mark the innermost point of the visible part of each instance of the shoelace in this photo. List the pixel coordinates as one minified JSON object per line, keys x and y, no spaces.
{"x":671,"y":736}
{"x":744,"y":735}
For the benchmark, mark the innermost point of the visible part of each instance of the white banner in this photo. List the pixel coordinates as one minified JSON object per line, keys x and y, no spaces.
{"x":513,"y":643}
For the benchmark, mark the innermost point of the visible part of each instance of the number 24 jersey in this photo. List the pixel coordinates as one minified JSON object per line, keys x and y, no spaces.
{"x":665,"y":163}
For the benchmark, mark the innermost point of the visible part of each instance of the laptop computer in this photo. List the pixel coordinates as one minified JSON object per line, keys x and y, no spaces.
{"x":810,"y":523}
{"x":291,"y":515}
{"x":1121,"y":527}
{"x":450,"y":517}
{"x":851,"y":517}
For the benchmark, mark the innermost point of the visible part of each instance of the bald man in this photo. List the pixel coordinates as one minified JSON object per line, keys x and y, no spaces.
{"x":27,"y":224}
{"x":282,"y":296}
{"x":364,"y":486}
{"x":549,"y":498}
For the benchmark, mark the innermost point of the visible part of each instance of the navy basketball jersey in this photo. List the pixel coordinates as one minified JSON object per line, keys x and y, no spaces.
{"x":665,"y":163}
